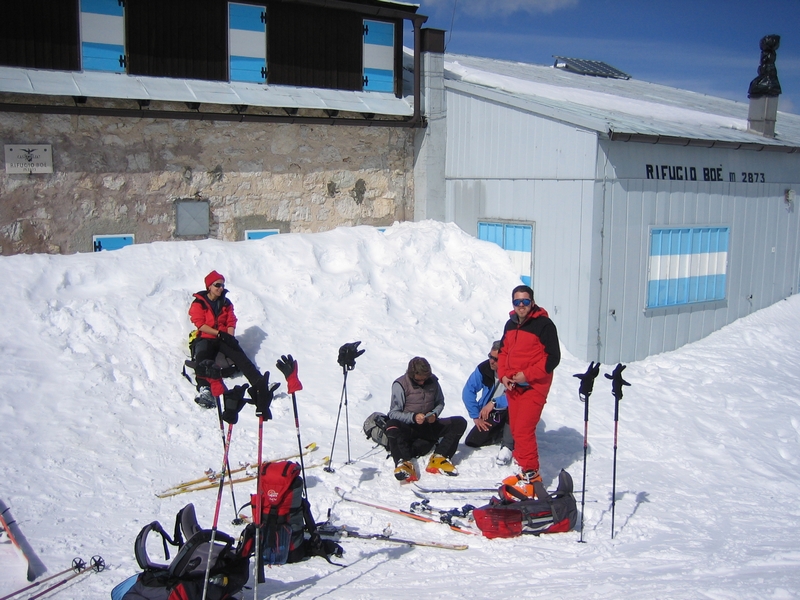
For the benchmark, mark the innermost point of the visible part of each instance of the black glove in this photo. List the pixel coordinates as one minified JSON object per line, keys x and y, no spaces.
{"x":207,"y":369}
{"x":348,"y":354}
{"x":227,"y":339}
{"x":233,"y":401}
{"x":286,"y":365}
{"x":617,"y":381}
{"x":587,"y":379}
{"x":264,"y":393}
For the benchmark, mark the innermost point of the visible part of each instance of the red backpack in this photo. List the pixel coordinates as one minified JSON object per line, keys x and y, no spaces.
{"x":548,"y":513}
{"x":283,"y":516}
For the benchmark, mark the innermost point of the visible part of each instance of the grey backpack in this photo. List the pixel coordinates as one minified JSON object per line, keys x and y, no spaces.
{"x":375,"y":429}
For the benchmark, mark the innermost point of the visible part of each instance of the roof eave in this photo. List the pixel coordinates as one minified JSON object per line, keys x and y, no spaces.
{"x":642,"y":138}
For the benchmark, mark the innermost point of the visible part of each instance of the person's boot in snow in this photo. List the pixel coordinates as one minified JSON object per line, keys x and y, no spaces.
{"x":440,"y":464}
{"x":205,"y":398}
{"x":503,"y":457}
{"x":523,"y":482}
{"x":405,"y":471}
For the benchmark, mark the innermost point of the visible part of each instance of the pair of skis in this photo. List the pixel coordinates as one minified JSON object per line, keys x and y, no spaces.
{"x":211,"y":478}
{"x":77,"y":569}
{"x":343,"y":531}
{"x":7,"y":523}
{"x":453,"y":525}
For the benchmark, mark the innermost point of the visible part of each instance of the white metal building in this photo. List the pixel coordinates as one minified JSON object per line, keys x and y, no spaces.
{"x":645,"y":216}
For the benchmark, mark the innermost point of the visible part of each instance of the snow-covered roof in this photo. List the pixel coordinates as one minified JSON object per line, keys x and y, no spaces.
{"x":133,"y":87}
{"x":615,"y":107}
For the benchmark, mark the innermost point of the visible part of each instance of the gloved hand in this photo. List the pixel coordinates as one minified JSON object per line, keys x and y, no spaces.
{"x":288,"y":366}
{"x":617,"y":381}
{"x":264,"y":393}
{"x":348,"y":354}
{"x":233,"y":401}
{"x":228,"y":339}
{"x":587,"y":380}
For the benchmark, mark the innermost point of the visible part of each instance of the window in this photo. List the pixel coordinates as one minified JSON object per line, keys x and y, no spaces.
{"x":516,"y":239}
{"x":191,"y":217}
{"x":177,"y":38}
{"x":247,"y":41}
{"x":40,"y":34}
{"x":314,"y":46}
{"x":687,"y":265}
{"x":378,"y":56}
{"x":111,"y":242}
{"x":102,"y":35}
{"x":257,"y":234}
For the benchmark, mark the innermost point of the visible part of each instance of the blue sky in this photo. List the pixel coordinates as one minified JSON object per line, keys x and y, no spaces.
{"x":707,"y":46}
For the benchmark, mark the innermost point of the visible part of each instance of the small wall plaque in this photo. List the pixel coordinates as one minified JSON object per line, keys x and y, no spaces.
{"x":29,"y":158}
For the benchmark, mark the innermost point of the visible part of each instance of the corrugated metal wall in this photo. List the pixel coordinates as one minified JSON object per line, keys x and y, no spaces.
{"x":763,"y":254}
{"x":592,"y":206}
{"x":487,"y":140}
{"x":504,"y":165}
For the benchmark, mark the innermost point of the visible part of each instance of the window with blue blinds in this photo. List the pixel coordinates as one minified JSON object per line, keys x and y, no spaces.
{"x":247,"y":41}
{"x":515,"y":239}
{"x":378,"y":56}
{"x":111,"y":242}
{"x":259,"y":234}
{"x":102,"y":35}
{"x":687,"y":265}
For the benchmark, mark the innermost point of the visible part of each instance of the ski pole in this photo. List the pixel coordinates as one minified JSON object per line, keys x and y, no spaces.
{"x":300,"y":444}
{"x":226,"y":467}
{"x":348,"y":353}
{"x":226,"y":446}
{"x":78,"y":565}
{"x":616,"y":389}
{"x":258,"y":575}
{"x":96,"y":564}
{"x":288,"y":366}
{"x":343,"y":397}
{"x":584,"y":391}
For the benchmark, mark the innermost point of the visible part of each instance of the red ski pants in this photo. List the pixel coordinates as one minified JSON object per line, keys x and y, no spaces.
{"x":525,"y":407}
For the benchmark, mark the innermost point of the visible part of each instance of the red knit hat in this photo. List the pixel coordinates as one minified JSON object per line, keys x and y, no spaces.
{"x":211,"y":278}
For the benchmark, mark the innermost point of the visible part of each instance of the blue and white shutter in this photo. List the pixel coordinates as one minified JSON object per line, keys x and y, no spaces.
{"x":687,"y":265}
{"x":247,"y":41}
{"x":378,"y":74}
{"x":103,"y":35}
{"x":516,"y":240}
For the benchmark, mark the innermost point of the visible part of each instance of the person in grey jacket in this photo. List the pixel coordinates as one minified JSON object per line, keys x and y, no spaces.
{"x":415,"y":426}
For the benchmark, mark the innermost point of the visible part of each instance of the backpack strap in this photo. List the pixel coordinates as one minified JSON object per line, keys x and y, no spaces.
{"x":194,"y":554}
{"x":140,"y":547}
{"x":316,"y":545}
{"x":512,"y":491}
{"x":186,"y":524}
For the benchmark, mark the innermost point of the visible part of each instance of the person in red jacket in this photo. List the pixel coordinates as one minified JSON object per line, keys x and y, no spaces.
{"x":528,"y":355}
{"x":212,"y":314}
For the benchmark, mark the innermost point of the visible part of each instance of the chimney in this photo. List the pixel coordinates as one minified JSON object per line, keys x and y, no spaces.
{"x":764,"y":90}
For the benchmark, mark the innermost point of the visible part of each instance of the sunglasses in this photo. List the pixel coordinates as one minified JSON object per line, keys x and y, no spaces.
{"x":494,"y":358}
{"x":521,"y":302}
{"x":218,"y":285}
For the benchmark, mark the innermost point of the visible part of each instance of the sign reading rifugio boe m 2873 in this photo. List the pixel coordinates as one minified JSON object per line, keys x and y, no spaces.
{"x":29,"y":158}
{"x":681,"y":173}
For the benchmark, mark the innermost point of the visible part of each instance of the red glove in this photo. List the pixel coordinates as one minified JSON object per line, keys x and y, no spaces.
{"x":288,"y":366}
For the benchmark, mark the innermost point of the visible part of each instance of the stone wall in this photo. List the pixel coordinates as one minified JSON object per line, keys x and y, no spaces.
{"x":124,"y":175}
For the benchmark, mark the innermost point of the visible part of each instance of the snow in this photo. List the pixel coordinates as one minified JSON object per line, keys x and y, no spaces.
{"x":96,"y":419}
{"x":638,"y":107}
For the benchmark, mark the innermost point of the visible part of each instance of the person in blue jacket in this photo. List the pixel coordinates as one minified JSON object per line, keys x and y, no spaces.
{"x":490,"y":411}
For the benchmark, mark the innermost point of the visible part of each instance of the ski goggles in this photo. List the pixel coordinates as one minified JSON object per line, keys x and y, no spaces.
{"x":521,"y":302}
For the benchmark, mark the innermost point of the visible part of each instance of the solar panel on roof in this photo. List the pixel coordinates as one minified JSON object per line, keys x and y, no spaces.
{"x":589,"y":67}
